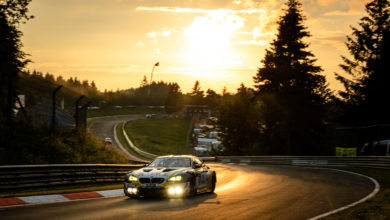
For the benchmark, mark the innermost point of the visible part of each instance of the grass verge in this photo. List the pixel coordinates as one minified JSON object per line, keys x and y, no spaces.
{"x":377,"y":207}
{"x":124,"y":143}
{"x":61,"y":191}
{"x":160,"y":136}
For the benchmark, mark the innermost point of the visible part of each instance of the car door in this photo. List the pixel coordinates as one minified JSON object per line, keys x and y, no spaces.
{"x":202,"y":173}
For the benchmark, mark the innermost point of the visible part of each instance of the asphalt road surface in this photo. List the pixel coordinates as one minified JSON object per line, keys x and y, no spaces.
{"x":104,"y":127}
{"x":243,"y":192}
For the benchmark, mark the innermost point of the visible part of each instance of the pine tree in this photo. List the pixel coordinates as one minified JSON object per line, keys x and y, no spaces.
{"x":367,"y":91}
{"x":197,"y":94}
{"x":144,"y":82}
{"x":237,"y":120}
{"x":174,"y":100}
{"x":291,"y":89}
{"x":12,"y":58}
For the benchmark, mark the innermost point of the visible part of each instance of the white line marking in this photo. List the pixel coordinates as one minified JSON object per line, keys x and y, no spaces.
{"x":43,"y":199}
{"x":372,"y":194}
{"x":111,"y":193}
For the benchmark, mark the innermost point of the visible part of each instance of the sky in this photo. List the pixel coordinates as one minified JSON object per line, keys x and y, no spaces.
{"x":218,"y":42}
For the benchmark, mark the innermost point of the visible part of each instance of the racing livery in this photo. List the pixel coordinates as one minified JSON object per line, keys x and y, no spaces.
{"x":171,"y":176}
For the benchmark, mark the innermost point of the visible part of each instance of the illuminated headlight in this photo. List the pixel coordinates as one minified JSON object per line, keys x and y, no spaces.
{"x":175,"y":179}
{"x":133,"y":178}
{"x":132,"y":190}
{"x":175,"y":191}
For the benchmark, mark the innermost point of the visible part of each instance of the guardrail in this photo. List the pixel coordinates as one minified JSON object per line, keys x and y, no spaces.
{"x":360,"y":161}
{"x":40,"y":177}
{"x":135,"y":148}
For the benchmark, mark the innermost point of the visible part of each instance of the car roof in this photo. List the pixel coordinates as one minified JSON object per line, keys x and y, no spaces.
{"x":177,"y":156}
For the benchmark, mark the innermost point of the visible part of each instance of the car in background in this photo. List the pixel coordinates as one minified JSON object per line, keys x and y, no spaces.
{"x":171,"y":176}
{"x":107,"y":140}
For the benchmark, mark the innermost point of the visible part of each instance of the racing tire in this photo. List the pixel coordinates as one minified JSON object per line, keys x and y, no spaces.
{"x":192,"y":191}
{"x":213,"y":183}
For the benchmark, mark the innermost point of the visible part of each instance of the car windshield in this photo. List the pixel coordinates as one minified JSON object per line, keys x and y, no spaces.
{"x":171,"y":162}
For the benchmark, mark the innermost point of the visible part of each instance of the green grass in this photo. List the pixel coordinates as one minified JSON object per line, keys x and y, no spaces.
{"x":124,"y":143}
{"x":160,"y":136}
{"x":60,"y":191}
{"x":24,"y":144}
{"x":123,"y":111}
{"x":378,"y":207}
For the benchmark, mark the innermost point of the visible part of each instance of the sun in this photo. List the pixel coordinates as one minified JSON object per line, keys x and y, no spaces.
{"x":209,"y":40}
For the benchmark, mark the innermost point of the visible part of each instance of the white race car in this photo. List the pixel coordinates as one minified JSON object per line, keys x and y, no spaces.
{"x":171,"y":176}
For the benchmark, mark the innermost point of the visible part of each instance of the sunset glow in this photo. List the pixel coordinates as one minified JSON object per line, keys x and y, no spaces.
{"x":219,"y":43}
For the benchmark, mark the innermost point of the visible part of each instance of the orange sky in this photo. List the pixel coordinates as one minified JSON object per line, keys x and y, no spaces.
{"x":218,"y":42}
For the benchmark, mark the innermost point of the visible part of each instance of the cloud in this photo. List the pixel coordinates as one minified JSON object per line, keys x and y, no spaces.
{"x":327,"y":2}
{"x":140,"y":44}
{"x":342,"y":13}
{"x":199,"y":10}
{"x":254,"y":42}
{"x":152,"y":34}
{"x":166,"y":32}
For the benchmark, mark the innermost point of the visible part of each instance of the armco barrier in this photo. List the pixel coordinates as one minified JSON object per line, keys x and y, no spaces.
{"x":360,"y":161}
{"x":37,"y":177}
{"x":136,"y":149}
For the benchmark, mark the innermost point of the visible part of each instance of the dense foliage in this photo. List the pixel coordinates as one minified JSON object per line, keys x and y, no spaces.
{"x":367,"y":85}
{"x":12,"y":58}
{"x":25,"y":144}
{"x":290,"y":95}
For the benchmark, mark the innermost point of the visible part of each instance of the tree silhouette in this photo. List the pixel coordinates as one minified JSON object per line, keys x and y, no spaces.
{"x":144,"y":81}
{"x":367,"y":90}
{"x":12,"y":59}
{"x":291,"y":90}
{"x":238,"y":121}
{"x":174,"y":101}
{"x":196,"y":94}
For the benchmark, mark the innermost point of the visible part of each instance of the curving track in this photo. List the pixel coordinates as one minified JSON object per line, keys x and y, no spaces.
{"x":243,"y":192}
{"x":104,"y":127}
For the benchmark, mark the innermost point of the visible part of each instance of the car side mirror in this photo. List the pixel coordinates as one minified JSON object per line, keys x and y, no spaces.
{"x":197,"y":166}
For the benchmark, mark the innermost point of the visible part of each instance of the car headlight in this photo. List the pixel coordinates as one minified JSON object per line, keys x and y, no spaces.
{"x":175,"y":179}
{"x":133,"y":178}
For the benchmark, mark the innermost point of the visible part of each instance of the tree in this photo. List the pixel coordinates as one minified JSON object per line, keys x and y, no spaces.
{"x":144,"y":82}
{"x":12,"y":59}
{"x":238,"y":121}
{"x":212,"y":99}
{"x":367,"y":90}
{"x":290,"y":89}
{"x":196,"y":94}
{"x":174,"y":100}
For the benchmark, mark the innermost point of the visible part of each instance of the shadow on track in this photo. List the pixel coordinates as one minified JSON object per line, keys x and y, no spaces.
{"x":166,"y":204}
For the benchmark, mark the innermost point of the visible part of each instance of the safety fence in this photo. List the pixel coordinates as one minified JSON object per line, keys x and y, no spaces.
{"x":41,"y":177}
{"x":361,"y":161}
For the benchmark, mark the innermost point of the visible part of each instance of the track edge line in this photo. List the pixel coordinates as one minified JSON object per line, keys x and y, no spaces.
{"x":369,"y":196}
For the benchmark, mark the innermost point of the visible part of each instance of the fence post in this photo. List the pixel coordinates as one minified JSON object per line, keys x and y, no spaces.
{"x":77,"y":117}
{"x":53,"y":119}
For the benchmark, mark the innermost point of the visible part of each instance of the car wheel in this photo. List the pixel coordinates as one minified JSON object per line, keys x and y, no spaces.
{"x":192,"y":190}
{"x":213,"y":183}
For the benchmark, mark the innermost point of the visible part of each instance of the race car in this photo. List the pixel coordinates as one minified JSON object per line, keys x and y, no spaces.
{"x":171,"y":176}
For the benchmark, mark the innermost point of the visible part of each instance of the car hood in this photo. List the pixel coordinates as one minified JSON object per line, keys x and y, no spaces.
{"x":159,"y":172}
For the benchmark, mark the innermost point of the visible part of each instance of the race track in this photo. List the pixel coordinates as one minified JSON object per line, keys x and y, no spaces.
{"x":243,"y":192}
{"x":104,"y":127}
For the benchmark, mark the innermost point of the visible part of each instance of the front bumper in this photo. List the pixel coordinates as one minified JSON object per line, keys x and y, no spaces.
{"x":181,"y":189}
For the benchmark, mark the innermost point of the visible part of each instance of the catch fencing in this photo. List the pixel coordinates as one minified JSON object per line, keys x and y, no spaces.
{"x":361,"y":161}
{"x":40,"y":177}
